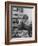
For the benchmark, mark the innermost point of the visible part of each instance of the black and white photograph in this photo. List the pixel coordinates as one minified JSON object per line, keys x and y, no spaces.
{"x":21,"y":22}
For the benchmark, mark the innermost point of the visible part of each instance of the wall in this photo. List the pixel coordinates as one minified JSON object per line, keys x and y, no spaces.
{"x":2,"y":23}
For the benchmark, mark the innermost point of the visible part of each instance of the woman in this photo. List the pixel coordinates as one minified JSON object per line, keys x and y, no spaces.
{"x":23,"y":26}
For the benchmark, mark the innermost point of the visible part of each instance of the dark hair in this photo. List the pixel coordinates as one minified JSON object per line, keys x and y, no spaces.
{"x":25,"y":17}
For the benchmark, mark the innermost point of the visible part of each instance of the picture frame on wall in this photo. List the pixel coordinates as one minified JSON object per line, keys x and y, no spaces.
{"x":20,"y":22}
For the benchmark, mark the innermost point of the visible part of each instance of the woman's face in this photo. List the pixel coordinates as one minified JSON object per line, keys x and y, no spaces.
{"x":25,"y":17}
{"x":24,"y":20}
